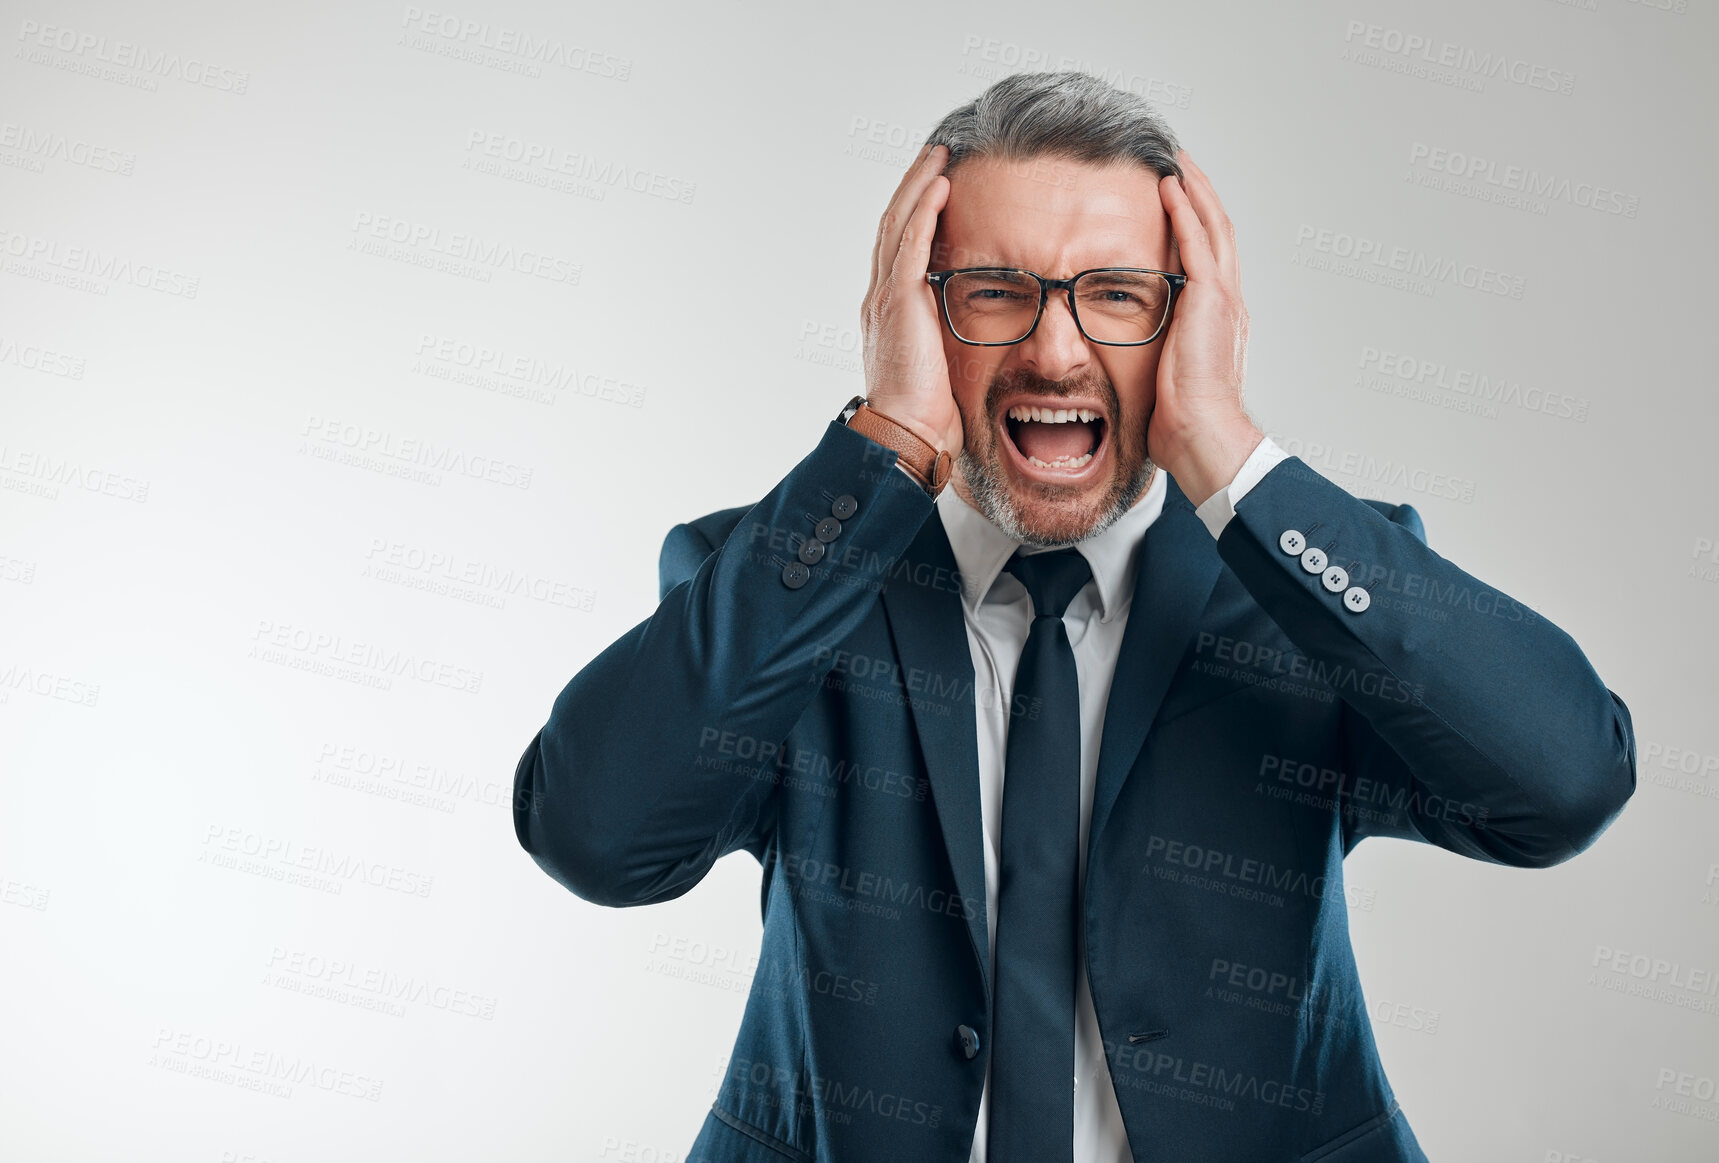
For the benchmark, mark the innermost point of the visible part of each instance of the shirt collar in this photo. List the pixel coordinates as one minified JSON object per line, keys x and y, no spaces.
{"x":981,"y":549}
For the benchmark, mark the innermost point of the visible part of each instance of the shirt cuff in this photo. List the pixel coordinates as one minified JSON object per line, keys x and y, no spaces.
{"x":1217,"y":509}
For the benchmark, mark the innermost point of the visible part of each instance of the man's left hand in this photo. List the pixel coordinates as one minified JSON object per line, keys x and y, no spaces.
{"x":1199,"y":431}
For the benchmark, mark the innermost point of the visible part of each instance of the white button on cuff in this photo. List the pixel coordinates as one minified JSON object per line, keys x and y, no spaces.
{"x":1336,"y":579}
{"x":1313,"y":561}
{"x":1357,"y":599}
{"x":1292,"y":542}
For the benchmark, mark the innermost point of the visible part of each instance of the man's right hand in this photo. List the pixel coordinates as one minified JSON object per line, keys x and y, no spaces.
{"x":906,"y":374}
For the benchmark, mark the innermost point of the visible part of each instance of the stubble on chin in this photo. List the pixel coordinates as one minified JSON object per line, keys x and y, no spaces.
{"x":1046,"y":516}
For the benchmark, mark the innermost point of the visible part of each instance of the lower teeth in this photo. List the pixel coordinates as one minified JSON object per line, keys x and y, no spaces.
{"x":1062,"y":461}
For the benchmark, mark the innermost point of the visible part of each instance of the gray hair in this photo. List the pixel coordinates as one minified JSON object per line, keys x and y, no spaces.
{"x":1071,"y":114}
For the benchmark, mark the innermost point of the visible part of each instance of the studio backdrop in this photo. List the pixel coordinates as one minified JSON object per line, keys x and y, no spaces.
{"x":355,"y":359}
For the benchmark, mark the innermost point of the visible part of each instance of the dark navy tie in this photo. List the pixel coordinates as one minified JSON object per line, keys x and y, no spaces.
{"x":1038,"y":886}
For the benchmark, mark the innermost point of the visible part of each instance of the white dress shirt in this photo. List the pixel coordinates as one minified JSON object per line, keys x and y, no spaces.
{"x":998,"y":615}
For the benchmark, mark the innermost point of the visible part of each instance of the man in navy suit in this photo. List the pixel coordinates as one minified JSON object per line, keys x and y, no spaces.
{"x":1051,"y":773}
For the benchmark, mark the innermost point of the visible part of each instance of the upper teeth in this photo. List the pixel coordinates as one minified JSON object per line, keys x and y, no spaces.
{"x":1051,"y":415}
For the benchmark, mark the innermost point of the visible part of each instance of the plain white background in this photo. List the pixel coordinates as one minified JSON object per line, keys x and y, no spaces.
{"x":355,"y":359}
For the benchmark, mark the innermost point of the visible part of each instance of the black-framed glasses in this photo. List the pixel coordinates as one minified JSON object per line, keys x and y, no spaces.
{"x":998,"y":306}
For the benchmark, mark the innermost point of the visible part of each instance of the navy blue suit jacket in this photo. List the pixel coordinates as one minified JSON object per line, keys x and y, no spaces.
{"x":1256,"y":731}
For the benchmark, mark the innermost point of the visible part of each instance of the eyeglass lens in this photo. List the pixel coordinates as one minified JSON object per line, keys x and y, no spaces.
{"x":1111,"y":306}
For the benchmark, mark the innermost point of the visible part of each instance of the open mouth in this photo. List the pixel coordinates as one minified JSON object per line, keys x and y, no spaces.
{"x":1058,"y":441}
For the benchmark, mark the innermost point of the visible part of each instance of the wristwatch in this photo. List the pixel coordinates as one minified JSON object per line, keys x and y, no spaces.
{"x":927,"y":465}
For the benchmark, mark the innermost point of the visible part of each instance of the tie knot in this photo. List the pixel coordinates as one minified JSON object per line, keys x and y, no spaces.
{"x":1051,"y":578}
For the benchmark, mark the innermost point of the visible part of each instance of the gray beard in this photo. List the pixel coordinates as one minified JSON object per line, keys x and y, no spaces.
{"x":991,"y":497}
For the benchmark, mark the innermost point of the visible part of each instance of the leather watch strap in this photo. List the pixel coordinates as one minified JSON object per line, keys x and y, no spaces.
{"x":925,"y":464}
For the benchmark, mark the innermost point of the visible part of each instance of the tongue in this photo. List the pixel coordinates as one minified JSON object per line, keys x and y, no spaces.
{"x":1049,"y":441}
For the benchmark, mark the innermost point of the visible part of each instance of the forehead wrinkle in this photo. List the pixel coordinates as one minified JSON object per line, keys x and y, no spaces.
{"x":1089,"y":250}
{"x":1101,"y":235}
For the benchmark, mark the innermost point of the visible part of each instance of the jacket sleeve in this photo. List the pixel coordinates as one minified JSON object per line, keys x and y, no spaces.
{"x":659,"y":756}
{"x":1469,"y":721}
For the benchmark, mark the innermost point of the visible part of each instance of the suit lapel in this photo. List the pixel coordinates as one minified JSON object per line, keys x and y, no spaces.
{"x":1178,"y":567}
{"x":930,"y":631}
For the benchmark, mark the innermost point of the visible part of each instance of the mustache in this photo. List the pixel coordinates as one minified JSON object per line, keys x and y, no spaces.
{"x":1016,"y":380}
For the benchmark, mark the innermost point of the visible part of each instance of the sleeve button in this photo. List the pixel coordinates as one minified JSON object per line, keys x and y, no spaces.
{"x":844,"y":506}
{"x":795,"y":574}
{"x":811,"y":551}
{"x":1336,"y":579}
{"x":828,"y":529}
{"x":1313,"y":559}
{"x":1292,"y":542}
{"x":1356,"y":600}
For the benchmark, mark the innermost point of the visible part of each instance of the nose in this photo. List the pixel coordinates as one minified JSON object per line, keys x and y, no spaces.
{"x":1056,"y":349}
